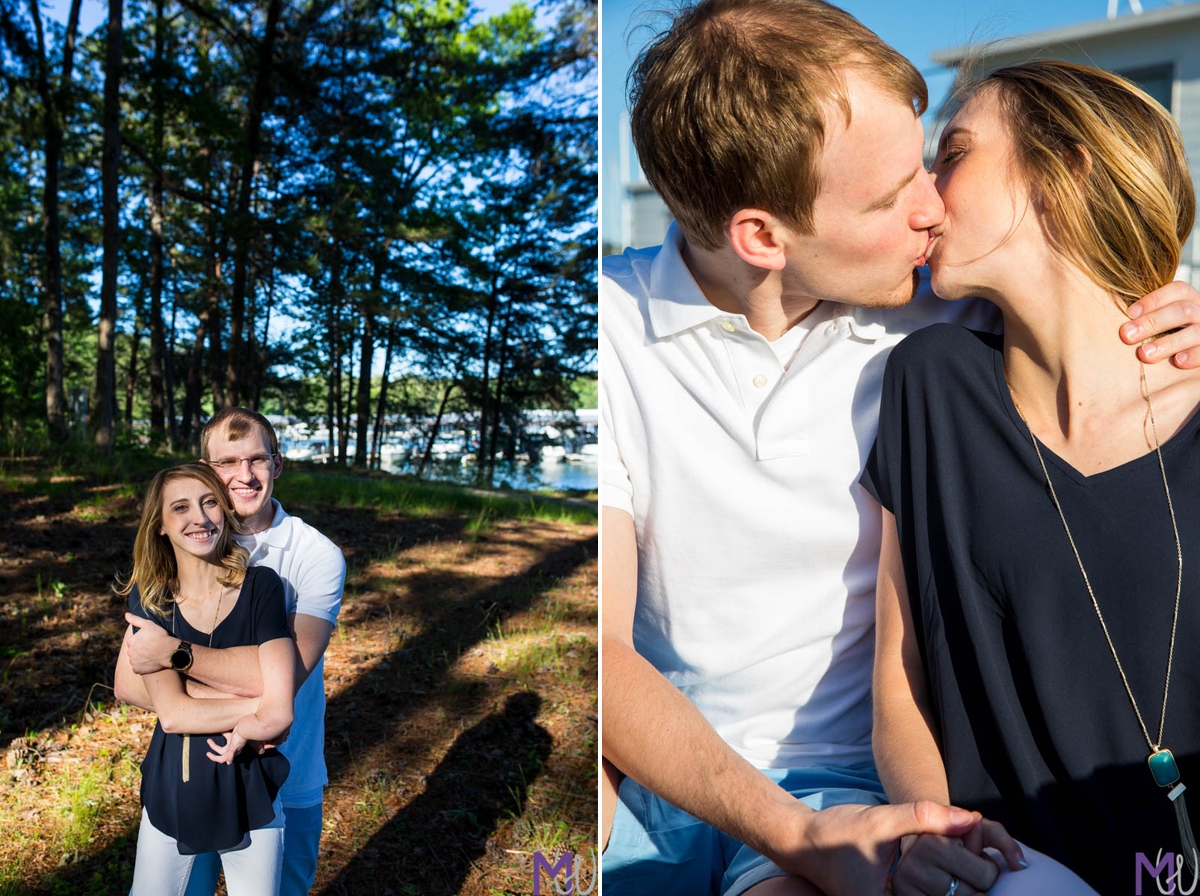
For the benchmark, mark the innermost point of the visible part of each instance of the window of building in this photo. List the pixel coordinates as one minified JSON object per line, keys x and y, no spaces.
{"x":1156,"y":80}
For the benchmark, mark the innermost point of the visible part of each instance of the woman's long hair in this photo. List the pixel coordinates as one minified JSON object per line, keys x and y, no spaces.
{"x":155,"y":571}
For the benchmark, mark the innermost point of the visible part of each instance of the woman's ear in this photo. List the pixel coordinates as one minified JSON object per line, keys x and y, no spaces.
{"x":1079,"y":160}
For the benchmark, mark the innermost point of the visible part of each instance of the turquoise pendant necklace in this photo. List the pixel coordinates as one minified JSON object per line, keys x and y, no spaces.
{"x":1163,"y":768}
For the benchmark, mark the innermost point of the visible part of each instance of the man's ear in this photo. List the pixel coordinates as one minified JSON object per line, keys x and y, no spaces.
{"x":758,"y":238}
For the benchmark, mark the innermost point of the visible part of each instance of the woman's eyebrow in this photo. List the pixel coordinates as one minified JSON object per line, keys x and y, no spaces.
{"x":952,"y":132}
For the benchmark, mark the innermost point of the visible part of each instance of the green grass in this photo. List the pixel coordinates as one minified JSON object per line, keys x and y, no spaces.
{"x":31,"y":473}
{"x":425,"y":499}
{"x":75,"y":472}
{"x":11,"y":879}
{"x":83,"y":804}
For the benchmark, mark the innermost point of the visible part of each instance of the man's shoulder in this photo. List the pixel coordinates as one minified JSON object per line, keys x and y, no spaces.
{"x":629,"y":271}
{"x":625,"y":286}
{"x":309,"y":539}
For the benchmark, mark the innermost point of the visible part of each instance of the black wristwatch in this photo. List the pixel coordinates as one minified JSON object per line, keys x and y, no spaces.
{"x":181,"y":657}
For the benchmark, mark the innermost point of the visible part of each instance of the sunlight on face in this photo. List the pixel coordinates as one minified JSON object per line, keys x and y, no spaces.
{"x":873,"y":215}
{"x":990,"y":227}
{"x":192,"y":519}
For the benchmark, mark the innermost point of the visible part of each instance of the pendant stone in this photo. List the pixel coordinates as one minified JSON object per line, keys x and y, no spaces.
{"x":1163,"y":768}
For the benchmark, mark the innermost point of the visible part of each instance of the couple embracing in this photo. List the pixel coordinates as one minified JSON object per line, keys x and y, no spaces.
{"x":231,"y":604}
{"x":894,"y":581}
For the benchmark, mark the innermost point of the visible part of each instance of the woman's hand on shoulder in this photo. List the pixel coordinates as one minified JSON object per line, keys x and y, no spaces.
{"x":930,"y":864}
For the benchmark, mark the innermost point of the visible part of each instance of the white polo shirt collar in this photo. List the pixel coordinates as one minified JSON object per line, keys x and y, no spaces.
{"x":676,"y":303}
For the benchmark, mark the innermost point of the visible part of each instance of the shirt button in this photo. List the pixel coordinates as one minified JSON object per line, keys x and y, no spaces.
{"x":728,"y":327}
{"x":760,"y":380}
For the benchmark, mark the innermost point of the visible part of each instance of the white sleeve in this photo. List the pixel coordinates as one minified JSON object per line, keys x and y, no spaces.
{"x":320,"y":580}
{"x":616,"y":488}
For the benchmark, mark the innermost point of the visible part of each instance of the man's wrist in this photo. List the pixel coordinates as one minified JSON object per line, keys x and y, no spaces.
{"x":786,"y":833}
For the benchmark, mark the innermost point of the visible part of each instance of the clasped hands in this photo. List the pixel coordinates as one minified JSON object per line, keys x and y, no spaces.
{"x":930,"y":863}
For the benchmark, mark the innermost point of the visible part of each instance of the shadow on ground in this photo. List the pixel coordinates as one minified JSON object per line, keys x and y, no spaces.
{"x":429,"y":846}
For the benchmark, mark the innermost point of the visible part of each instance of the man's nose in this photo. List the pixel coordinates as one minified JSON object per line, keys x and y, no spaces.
{"x":929,"y":210}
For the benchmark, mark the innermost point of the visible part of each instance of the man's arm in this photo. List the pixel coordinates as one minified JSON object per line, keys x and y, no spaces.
{"x":311,"y":634}
{"x":231,"y":670}
{"x":654,"y":734}
{"x":128,"y":686}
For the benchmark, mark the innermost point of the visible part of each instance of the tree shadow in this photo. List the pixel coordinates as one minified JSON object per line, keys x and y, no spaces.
{"x":455,"y":617}
{"x":430,"y":845}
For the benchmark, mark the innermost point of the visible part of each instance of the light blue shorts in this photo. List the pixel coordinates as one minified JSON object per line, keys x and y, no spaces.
{"x":655,"y":848}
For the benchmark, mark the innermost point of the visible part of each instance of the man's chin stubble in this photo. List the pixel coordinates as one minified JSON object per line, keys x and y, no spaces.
{"x":899,"y":298}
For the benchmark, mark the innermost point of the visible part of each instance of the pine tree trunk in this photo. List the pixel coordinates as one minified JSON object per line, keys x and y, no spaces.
{"x":243,"y":230}
{"x":190,"y":432}
{"x":334,"y":385}
{"x":344,"y":405}
{"x":491,"y":455}
{"x":54,"y":113}
{"x":157,"y":338}
{"x":131,"y":370}
{"x":173,"y":441}
{"x":433,"y":433}
{"x":381,"y":406}
{"x":366,"y":354}
{"x":106,"y":358}
{"x":485,"y":397}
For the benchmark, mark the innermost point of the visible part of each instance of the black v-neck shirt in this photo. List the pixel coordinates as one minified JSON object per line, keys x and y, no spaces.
{"x":1036,"y":726}
{"x":218,"y":804}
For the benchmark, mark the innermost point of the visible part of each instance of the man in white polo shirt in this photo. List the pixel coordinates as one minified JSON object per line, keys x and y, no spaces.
{"x":741,"y":364}
{"x":241,"y":445}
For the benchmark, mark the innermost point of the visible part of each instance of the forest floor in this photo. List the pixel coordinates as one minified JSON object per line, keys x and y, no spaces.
{"x":461,"y":732}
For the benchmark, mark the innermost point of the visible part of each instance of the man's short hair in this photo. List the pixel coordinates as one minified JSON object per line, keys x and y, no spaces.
{"x":729,"y":104}
{"x":239,"y":423}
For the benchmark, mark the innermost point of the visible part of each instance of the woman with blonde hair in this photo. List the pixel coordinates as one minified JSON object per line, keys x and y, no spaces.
{"x":1037,"y":627}
{"x":204,"y":791}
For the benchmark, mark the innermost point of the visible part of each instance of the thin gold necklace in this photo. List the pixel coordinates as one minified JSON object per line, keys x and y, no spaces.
{"x":1161,"y":762}
{"x":187,"y":738}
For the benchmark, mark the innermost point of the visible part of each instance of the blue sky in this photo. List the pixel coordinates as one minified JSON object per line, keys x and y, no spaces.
{"x":915,"y":28}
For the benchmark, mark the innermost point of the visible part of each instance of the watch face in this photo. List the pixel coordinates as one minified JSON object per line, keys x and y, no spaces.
{"x":181,"y":658}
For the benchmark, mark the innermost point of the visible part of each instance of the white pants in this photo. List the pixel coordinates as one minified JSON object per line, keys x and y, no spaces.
{"x":252,"y":868}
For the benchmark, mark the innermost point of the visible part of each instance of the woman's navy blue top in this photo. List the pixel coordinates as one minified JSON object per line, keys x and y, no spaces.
{"x":218,"y":804}
{"x":1036,"y":728}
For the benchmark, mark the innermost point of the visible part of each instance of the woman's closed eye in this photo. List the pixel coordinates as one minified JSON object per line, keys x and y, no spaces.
{"x":950,"y":155}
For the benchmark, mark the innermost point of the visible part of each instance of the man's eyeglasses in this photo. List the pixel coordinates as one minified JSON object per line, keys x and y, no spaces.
{"x":259,"y":463}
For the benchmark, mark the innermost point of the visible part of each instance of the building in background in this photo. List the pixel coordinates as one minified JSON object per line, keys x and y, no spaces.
{"x":644,"y":216}
{"x":1158,"y":50}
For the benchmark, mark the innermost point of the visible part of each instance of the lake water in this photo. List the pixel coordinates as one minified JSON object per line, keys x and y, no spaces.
{"x":550,"y":473}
